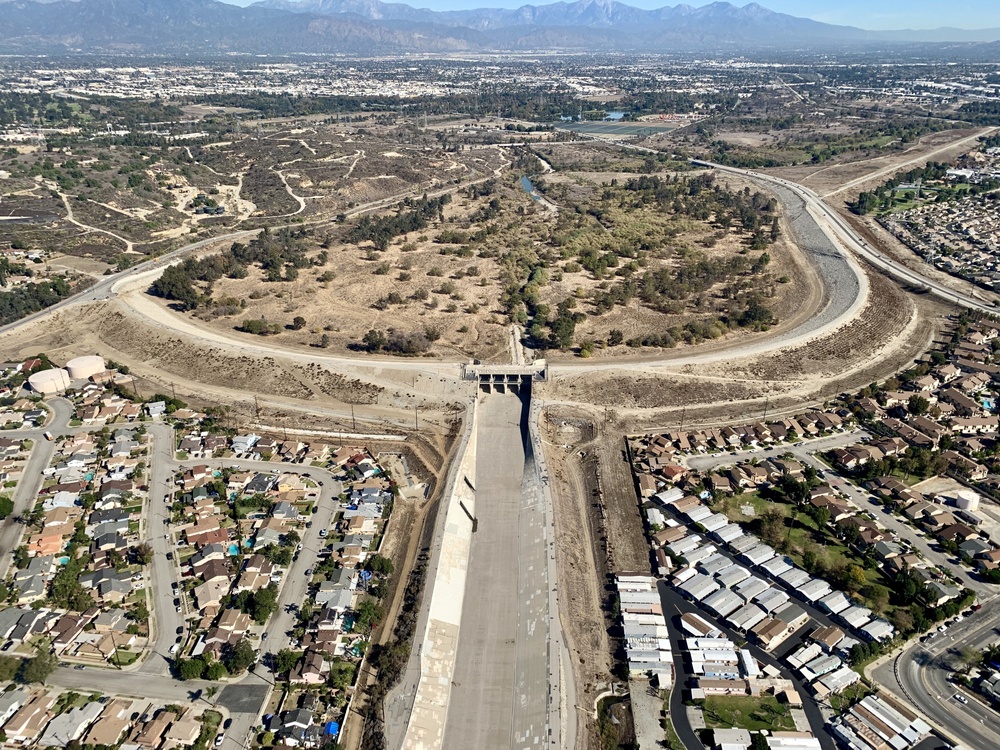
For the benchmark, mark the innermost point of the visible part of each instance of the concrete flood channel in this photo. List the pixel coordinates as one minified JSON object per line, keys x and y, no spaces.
{"x":500,"y":689}
{"x":485,"y":668}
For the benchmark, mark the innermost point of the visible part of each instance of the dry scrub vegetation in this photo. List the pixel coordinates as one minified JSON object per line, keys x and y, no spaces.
{"x":643,"y":254}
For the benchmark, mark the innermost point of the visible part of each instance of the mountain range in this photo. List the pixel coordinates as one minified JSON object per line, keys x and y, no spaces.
{"x":372,"y":27}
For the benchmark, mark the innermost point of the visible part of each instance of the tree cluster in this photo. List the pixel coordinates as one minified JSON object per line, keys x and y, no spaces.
{"x":413,"y":215}
{"x":30,"y":298}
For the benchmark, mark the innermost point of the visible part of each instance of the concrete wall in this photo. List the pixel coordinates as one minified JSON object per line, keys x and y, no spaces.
{"x":438,"y":644}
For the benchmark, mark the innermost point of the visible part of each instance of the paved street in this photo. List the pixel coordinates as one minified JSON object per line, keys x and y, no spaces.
{"x":674,"y":605}
{"x":162,"y":573}
{"x":857,"y":496}
{"x":716,"y":460}
{"x":120,"y":682}
{"x":920,"y":676}
{"x":31,"y":480}
{"x":900,"y":529}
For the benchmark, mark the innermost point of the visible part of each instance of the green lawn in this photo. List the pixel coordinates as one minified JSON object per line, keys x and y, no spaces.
{"x":849,"y":696}
{"x":747,"y":712}
{"x":123,"y":658}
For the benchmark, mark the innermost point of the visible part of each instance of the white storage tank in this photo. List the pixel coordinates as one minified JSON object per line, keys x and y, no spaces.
{"x":82,"y":368}
{"x":48,"y":382}
{"x":967,"y":500}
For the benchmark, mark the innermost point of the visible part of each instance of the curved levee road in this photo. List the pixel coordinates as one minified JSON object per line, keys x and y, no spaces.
{"x":837,"y":228}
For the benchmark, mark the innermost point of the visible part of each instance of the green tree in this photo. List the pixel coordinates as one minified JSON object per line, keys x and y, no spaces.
{"x":189,"y":669}
{"x":238,"y":658}
{"x":264,"y":603}
{"x":215,"y":671}
{"x":971,"y":658}
{"x":918,"y":404}
{"x":285,"y":660}
{"x":8,"y":668}
{"x":854,"y":577}
{"x":143,"y":554}
{"x":379,"y":564}
{"x":298,"y":323}
{"x":38,"y":667}
{"x":374,"y":341}
{"x":6,"y":506}
{"x":369,"y":614}
{"x":902,"y":620}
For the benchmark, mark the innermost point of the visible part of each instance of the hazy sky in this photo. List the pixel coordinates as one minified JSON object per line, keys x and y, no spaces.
{"x":867,"y":14}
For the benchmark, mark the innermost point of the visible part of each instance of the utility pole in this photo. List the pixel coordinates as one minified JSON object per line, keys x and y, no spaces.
{"x":256,"y":407}
{"x":767,"y":400}
{"x":416,"y":417}
{"x":683,"y":414}
{"x":354,"y":424}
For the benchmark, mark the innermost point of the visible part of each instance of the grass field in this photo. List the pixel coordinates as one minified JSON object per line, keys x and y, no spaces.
{"x":748,"y":712}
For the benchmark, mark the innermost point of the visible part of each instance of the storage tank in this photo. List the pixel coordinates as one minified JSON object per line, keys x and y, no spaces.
{"x":48,"y":382}
{"x":967,"y":500}
{"x":82,"y":368}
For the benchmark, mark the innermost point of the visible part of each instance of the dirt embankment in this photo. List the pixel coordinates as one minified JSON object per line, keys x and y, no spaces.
{"x":581,"y":562}
{"x":598,"y":534}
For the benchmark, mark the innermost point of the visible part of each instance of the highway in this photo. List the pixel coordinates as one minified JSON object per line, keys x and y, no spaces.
{"x":920,"y":674}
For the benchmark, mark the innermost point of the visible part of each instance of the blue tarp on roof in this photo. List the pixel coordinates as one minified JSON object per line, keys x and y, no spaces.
{"x":332,"y":728}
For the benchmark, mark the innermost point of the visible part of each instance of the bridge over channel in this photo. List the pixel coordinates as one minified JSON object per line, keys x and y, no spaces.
{"x":506,"y":378}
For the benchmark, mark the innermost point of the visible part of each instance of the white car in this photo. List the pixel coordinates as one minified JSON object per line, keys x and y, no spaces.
{"x":961,"y":698}
{"x":175,"y":648}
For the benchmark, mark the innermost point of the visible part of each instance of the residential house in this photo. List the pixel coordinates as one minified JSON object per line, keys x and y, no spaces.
{"x":29,"y":720}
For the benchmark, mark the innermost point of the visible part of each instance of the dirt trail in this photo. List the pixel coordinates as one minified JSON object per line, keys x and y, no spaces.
{"x":73,"y":220}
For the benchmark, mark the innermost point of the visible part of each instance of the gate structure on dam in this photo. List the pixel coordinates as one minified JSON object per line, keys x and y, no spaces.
{"x":506,"y":378}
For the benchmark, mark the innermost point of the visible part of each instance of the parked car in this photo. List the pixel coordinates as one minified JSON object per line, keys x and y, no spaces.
{"x":961,"y":698}
{"x":180,"y":630}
